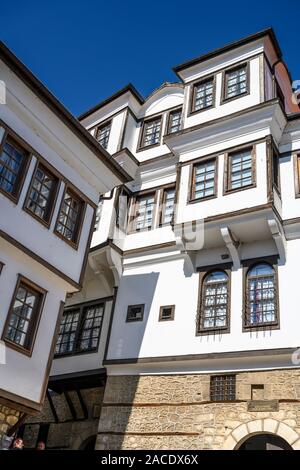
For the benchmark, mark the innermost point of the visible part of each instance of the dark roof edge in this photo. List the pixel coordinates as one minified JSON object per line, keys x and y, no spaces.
{"x":128,"y":88}
{"x":37,"y":87}
{"x":266,"y":32}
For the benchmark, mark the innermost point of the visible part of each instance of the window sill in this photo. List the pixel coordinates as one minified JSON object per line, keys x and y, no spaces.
{"x":17,"y":347}
{"x":197,"y":111}
{"x":202,"y":199}
{"x":144,"y":148}
{"x":261,"y":327}
{"x":213,"y":331}
{"x":242,"y":188}
{"x":232,"y":98}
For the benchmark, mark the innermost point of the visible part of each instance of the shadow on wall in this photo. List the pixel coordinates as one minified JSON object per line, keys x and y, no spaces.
{"x":125,"y":341}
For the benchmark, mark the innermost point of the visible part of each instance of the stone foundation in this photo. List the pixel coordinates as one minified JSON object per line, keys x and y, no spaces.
{"x":175,"y":411}
{"x":8,"y":418}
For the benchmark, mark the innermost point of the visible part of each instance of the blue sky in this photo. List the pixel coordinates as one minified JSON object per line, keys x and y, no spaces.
{"x":84,"y":51}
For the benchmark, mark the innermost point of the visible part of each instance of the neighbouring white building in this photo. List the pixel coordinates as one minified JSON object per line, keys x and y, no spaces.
{"x":51,"y":174}
{"x":193,"y":267}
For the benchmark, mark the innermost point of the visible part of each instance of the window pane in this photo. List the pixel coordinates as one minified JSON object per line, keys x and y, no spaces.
{"x":67,"y":332}
{"x":203,"y":95}
{"x":241,"y":169}
{"x":22,"y":315}
{"x":144,"y":212}
{"x":69,"y":217}
{"x":204,"y":180}
{"x":214,"y":304}
{"x":174,"y":121}
{"x":102,"y":135}
{"x":151,"y":132}
{"x":41,"y":192}
{"x":91,"y":327}
{"x":168,"y":206}
{"x":11,"y":162}
{"x":261,"y":305}
{"x":236,"y":82}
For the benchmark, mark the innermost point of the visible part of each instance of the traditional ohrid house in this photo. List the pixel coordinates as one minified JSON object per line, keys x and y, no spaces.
{"x":51,"y":174}
{"x":193,"y":270}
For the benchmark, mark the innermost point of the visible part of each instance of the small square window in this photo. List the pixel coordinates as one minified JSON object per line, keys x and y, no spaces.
{"x":222,"y":387}
{"x":135,"y":312}
{"x":166,"y":312}
{"x":150,"y":133}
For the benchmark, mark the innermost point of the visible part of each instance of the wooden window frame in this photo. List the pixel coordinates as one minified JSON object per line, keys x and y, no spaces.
{"x":34,"y":324}
{"x":296,"y":158}
{"x":227,"y":169}
{"x":162,"y":207}
{"x":74,"y":244}
{"x":224,"y":98}
{"x":192,"y":176}
{"x":224,"y":377}
{"x":276,"y":160}
{"x":192,"y":97}
{"x":203,"y":273}
{"x":132,"y":320}
{"x":133,"y":210}
{"x":15,"y":141}
{"x":100,"y":126}
{"x":53,"y":198}
{"x":247,"y":265}
{"x":82,"y":307}
{"x":141,"y":146}
{"x":33,"y":153}
{"x":171,"y":318}
{"x":168,"y":120}
{"x":123,"y":190}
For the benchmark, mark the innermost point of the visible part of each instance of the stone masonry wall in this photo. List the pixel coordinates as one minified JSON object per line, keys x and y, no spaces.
{"x":175,"y":411}
{"x":8,"y":417}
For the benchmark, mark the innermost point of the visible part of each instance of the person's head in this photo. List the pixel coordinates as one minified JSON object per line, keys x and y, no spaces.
{"x":18,"y":443}
{"x":41,"y":445}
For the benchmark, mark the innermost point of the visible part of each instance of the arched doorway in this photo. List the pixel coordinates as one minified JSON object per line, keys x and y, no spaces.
{"x":264,"y":442}
{"x":89,"y":443}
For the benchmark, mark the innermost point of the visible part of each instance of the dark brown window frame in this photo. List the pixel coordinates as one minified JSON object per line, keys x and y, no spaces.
{"x":132,"y":320}
{"x":193,"y":166}
{"x":1,"y":266}
{"x":156,"y":222}
{"x":171,"y":318}
{"x":192,"y":95}
{"x":168,"y":119}
{"x":37,"y":316}
{"x":73,"y":244}
{"x":247,"y":265}
{"x":53,"y":199}
{"x":276,"y":160}
{"x":12,"y":138}
{"x":141,"y":146}
{"x":227,"y":169}
{"x":82,"y":307}
{"x":224,"y":98}
{"x":296,"y":161}
{"x":133,"y":211}
{"x":224,"y":377}
{"x":100,"y":126}
{"x":162,"y":202}
{"x":44,"y":162}
{"x":203,"y":273}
